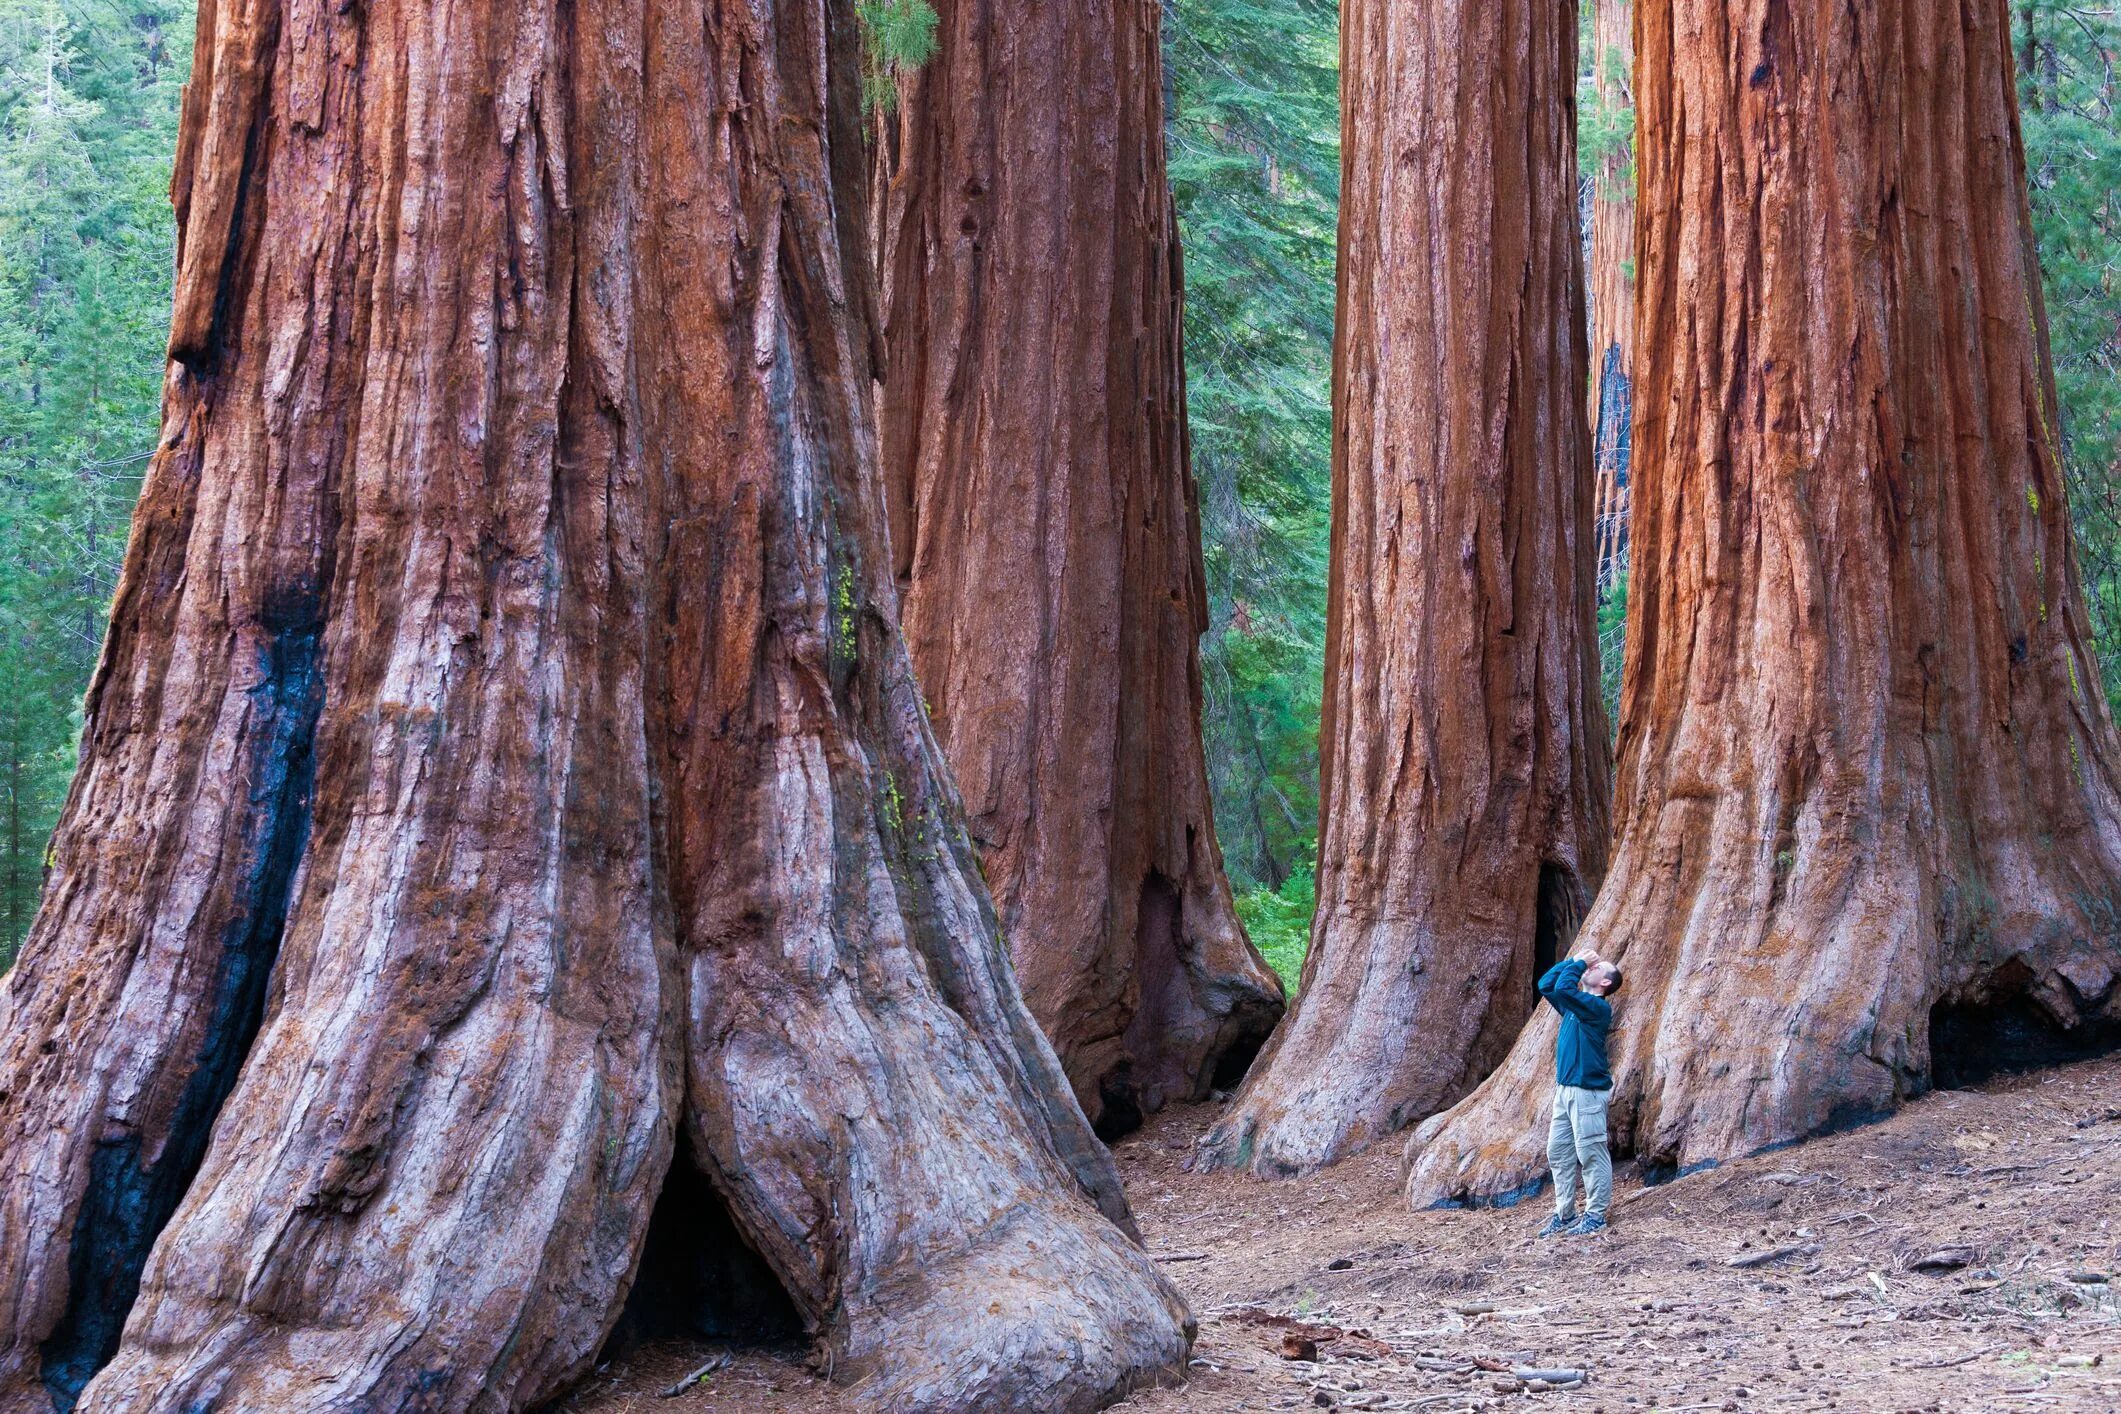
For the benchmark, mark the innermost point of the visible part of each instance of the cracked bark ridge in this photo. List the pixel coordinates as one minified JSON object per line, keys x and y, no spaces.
{"x":1047,"y":535}
{"x":504,"y":730}
{"x":1867,"y":774}
{"x":1464,"y":769}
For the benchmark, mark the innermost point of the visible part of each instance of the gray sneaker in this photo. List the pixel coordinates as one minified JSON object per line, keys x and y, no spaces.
{"x":1555,"y":1226}
{"x":1586,"y":1226}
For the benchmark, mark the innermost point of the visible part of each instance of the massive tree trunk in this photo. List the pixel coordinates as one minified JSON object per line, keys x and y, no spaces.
{"x":1463,"y":748}
{"x":1867,"y":774}
{"x":506,"y":667}
{"x":1048,"y":538}
{"x":1612,"y":286}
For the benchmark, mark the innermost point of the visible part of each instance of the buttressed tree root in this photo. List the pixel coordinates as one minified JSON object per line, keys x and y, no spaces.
{"x":1045,"y":525}
{"x":505,"y":766}
{"x":1463,"y":759}
{"x":1867,"y":775}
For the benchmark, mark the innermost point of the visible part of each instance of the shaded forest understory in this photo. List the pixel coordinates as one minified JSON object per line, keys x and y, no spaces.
{"x":1960,"y":1256}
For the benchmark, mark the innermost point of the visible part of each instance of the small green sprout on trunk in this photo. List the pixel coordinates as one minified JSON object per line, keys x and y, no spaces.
{"x":898,"y":36}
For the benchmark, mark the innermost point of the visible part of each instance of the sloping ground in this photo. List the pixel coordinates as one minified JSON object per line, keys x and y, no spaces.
{"x":2014,"y":1188}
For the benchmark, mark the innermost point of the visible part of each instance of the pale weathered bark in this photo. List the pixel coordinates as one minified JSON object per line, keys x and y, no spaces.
{"x":506,"y":664}
{"x":1612,"y":292}
{"x":1867,"y":775}
{"x":1048,"y":538}
{"x":1463,"y":749}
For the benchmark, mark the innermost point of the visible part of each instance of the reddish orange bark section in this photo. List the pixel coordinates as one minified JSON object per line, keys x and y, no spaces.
{"x":1464,"y":747}
{"x":1048,"y":536}
{"x":1867,"y":775}
{"x":505,"y":766}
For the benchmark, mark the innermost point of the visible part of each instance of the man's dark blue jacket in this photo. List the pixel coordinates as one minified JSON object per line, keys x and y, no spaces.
{"x":1579,"y":1056}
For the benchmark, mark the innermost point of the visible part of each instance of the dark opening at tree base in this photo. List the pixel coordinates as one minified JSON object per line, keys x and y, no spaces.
{"x":1232,"y":1065}
{"x":1974,"y":1042}
{"x":699,"y":1278}
{"x":1554,"y":921}
{"x":1120,"y":1112}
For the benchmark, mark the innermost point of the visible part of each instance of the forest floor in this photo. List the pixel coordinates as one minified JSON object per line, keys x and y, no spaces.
{"x":1960,"y":1255}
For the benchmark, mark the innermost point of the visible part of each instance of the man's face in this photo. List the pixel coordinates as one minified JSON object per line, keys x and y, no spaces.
{"x":1599,"y":980}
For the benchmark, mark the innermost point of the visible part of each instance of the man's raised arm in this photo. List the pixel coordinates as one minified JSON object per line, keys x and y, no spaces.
{"x":1562,"y":986}
{"x":1563,"y":976}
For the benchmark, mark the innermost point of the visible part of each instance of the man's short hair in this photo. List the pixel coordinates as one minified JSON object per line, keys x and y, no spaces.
{"x":1616,"y":979}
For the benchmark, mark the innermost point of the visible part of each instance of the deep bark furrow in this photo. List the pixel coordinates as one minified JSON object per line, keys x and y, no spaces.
{"x":1463,"y":747}
{"x":129,"y":1198}
{"x":1867,"y":774}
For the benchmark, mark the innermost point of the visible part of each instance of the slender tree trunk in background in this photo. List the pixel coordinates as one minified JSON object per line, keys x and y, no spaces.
{"x":18,"y":893}
{"x":506,"y":666}
{"x":1612,"y":289}
{"x":1867,"y":774}
{"x":1463,"y":748}
{"x":1048,"y":538}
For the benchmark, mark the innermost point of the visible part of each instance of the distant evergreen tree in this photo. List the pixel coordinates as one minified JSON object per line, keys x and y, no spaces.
{"x":1254,"y":136}
{"x":88,"y":107}
{"x":2067,"y":96}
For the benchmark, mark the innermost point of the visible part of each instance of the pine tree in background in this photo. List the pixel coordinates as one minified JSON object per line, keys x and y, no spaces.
{"x":88,"y":104}
{"x":1254,"y":134}
{"x":2068,"y":92}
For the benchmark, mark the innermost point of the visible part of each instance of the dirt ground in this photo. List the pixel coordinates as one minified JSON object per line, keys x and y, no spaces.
{"x":2013,"y":1189}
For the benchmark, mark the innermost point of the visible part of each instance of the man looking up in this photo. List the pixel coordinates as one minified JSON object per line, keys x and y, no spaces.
{"x":1576,"y":1141}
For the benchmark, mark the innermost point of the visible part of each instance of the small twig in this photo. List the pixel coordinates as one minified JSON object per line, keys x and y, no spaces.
{"x":1181,"y":1256}
{"x":1966,"y":1359}
{"x":1773,"y":1254}
{"x":696,"y":1376}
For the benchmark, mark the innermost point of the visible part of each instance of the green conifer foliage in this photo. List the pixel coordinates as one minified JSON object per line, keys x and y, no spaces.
{"x":1254,"y":134}
{"x":88,"y":121}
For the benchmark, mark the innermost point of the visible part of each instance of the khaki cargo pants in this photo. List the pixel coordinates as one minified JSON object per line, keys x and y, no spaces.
{"x":1576,"y":1143}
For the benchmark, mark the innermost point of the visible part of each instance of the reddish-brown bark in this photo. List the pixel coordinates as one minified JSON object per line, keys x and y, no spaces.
{"x":1463,"y":748}
{"x":518,"y":472}
{"x":1867,"y":776}
{"x":1612,"y":291}
{"x":1048,"y":539}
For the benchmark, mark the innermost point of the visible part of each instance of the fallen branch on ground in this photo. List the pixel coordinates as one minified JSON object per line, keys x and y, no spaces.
{"x":1772,"y":1254}
{"x":697,"y":1375}
{"x":1966,"y":1359}
{"x":1552,"y":1377}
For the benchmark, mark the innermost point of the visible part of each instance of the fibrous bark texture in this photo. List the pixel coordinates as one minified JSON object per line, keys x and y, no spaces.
{"x":1867,"y":774}
{"x":505,"y":760}
{"x":1612,"y":290}
{"x":1048,"y":538}
{"x":1463,"y":747}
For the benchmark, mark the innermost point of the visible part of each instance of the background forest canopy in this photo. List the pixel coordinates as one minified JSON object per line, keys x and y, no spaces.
{"x":88,"y":116}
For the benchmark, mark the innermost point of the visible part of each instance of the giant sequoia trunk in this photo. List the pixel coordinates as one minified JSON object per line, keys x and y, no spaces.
{"x":1612,"y":285}
{"x":1048,"y":539}
{"x":505,"y":765}
{"x":1867,"y":774}
{"x":1463,"y":748}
